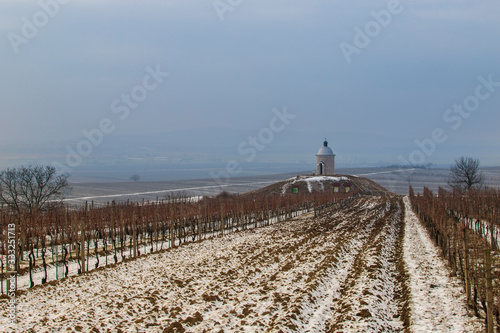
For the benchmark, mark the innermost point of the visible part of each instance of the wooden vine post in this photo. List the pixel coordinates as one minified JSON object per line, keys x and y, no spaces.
{"x":134,"y":234}
{"x":489,"y":291}
{"x":122,"y":233}
{"x":172,"y":231}
{"x":466,"y":267}
{"x":82,"y":244}
{"x":222,"y":218}
{"x":157,"y":225}
{"x":255,"y":215}
{"x":199,"y":220}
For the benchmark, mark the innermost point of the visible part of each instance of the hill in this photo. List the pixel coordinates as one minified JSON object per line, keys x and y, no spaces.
{"x":309,"y":184}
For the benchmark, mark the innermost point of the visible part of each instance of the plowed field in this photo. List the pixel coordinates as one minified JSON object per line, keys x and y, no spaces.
{"x":340,"y":272}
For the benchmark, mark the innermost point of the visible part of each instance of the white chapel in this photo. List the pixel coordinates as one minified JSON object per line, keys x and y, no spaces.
{"x":325,"y":161}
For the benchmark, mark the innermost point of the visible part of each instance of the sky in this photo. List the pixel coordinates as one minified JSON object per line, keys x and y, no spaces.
{"x":421,"y":78}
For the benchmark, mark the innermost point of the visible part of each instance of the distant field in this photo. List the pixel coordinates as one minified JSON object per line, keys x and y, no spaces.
{"x":101,"y":193}
{"x":398,"y":182}
{"x":394,"y":180}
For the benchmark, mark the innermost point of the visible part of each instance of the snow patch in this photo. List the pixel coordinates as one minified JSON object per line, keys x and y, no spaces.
{"x":311,"y":180}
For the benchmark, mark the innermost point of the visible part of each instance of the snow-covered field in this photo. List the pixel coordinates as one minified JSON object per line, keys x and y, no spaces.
{"x":340,"y":272}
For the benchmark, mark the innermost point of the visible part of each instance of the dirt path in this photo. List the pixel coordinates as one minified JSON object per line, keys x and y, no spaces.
{"x":341,"y":272}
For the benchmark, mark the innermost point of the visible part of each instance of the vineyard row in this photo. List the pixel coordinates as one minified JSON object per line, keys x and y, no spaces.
{"x":87,"y":238}
{"x":465,"y":226}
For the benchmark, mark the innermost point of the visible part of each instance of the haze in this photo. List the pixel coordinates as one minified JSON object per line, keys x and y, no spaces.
{"x":386,"y":82}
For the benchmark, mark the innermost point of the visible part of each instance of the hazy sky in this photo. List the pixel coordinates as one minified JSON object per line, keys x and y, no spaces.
{"x":388,"y":68}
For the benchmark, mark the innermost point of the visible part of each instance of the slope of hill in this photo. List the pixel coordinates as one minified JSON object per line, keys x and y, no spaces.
{"x":308,"y":184}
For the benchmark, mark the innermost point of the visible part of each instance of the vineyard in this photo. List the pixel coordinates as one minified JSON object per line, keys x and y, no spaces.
{"x":62,"y":242}
{"x":466,"y":227}
{"x":336,"y":271}
{"x":292,"y":257}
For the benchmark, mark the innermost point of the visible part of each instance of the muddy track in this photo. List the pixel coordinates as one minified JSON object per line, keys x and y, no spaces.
{"x":337,"y":272}
{"x":370,"y":297}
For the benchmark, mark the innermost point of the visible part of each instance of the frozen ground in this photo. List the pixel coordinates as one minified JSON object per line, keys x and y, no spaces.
{"x":340,"y":272}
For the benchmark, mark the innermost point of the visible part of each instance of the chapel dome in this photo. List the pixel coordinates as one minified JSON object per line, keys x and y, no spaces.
{"x":325,"y":150}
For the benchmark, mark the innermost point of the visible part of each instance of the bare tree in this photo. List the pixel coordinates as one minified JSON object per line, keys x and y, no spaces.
{"x":465,"y":174}
{"x":31,"y":188}
{"x":135,"y":177}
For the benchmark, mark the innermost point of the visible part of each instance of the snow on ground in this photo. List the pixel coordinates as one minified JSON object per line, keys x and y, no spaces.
{"x":438,"y":303}
{"x":286,"y":277}
{"x":310,"y":181}
{"x":57,"y":272}
{"x":339,"y":272}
